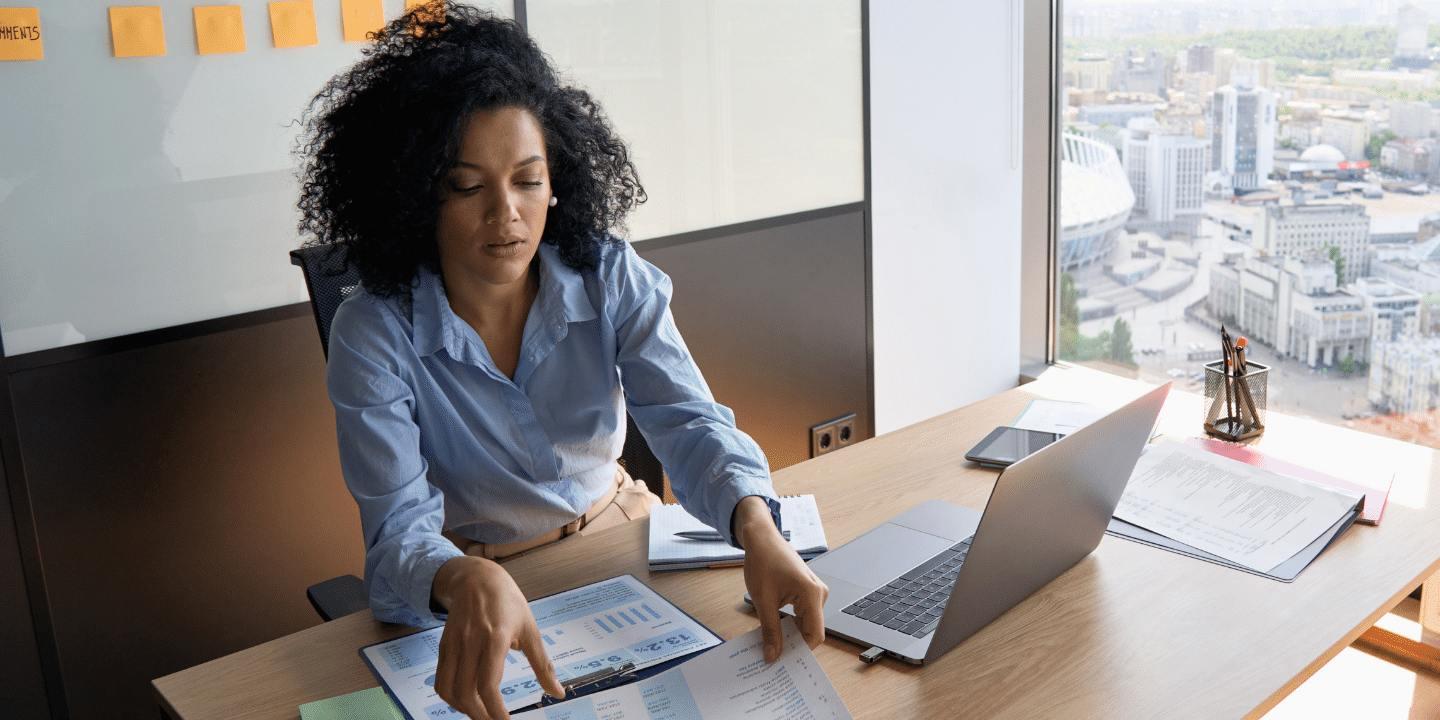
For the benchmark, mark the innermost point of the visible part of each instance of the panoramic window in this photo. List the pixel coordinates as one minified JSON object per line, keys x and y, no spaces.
{"x":1270,"y":168}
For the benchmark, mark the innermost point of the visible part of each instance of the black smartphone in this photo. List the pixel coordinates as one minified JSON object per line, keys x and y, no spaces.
{"x":1006,"y":445}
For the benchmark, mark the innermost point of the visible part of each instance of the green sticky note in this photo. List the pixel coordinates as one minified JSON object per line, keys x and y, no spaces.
{"x":372,"y":704}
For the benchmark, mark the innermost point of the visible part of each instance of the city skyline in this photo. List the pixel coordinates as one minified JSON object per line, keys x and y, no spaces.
{"x":1309,"y":144}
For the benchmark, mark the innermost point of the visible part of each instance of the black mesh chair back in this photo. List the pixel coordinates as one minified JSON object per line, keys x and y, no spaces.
{"x":639,"y":461}
{"x":330,"y":281}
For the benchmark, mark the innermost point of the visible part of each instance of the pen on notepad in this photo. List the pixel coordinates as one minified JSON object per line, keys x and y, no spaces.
{"x":711,"y":535}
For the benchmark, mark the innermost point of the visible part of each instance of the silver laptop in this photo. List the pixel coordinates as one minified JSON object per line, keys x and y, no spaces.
{"x":918,"y":585}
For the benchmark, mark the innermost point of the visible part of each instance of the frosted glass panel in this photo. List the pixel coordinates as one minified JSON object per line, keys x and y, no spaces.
{"x":144,"y":192}
{"x":735,"y":109}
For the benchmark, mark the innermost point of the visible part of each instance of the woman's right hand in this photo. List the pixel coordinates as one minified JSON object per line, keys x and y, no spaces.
{"x":488,"y":617}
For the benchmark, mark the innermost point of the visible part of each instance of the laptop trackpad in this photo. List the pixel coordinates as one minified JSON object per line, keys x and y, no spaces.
{"x":876,"y":557}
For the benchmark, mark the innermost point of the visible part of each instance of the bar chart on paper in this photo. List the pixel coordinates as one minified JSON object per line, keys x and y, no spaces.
{"x":598,"y":627}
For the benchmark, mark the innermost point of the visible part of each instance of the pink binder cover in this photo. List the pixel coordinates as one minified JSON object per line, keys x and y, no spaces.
{"x":1374,"y":497}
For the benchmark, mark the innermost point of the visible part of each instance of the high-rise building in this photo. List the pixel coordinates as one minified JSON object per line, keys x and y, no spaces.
{"x":1140,"y":71}
{"x":1347,"y":132}
{"x":1242,"y":130}
{"x":1224,"y":60}
{"x":1265,"y":72}
{"x":1167,"y":172}
{"x":1092,"y":73}
{"x":1292,"y":304}
{"x":1412,"y":159}
{"x":1412,"y":37}
{"x":1196,"y":86}
{"x":1410,"y":119}
{"x":1200,"y":59}
{"x":1405,"y":374}
{"x":1299,"y":230}
{"x":1394,"y":310}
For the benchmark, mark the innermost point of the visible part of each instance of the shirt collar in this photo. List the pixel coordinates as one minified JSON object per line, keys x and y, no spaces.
{"x":562,"y":289}
{"x":561,"y":296}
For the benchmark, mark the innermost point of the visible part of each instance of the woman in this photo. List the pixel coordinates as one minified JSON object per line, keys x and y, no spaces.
{"x":481,"y":376}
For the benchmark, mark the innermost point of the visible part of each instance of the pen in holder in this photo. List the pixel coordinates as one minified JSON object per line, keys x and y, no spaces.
{"x":1235,"y":403}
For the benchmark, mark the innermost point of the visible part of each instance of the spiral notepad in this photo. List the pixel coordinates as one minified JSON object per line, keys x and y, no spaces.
{"x":798,"y":514}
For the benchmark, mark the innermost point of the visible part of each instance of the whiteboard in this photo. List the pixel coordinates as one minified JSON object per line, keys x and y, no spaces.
{"x":735,"y":110}
{"x":143,"y":192}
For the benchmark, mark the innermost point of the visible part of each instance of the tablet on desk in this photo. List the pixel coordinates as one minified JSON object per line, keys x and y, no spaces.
{"x":1005,"y":446}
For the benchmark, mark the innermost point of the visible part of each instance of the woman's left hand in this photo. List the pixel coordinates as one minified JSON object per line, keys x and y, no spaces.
{"x":776,"y":576}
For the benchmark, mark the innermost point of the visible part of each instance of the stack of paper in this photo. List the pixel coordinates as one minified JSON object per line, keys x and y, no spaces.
{"x":1214,"y":508}
{"x":798,"y":515}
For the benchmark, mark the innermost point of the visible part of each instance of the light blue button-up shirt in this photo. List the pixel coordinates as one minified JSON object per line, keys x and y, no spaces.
{"x":434,"y":437}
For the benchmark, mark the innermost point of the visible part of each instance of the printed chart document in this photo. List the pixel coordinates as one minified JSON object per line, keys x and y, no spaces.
{"x":731,"y":682}
{"x":1244,"y":514}
{"x":595,"y":627}
{"x":798,"y":514}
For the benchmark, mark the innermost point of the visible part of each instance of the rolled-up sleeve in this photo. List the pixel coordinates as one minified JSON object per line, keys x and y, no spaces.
{"x":401,"y":513}
{"x":711,"y":464}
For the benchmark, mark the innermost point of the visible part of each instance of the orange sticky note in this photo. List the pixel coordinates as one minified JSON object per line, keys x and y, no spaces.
{"x":137,"y":31}
{"x":20,"y":34}
{"x":292,"y":23}
{"x":219,"y":29}
{"x":361,"y":17}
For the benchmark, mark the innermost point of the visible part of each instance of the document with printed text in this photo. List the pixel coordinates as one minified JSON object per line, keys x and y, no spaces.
{"x":731,"y":682}
{"x":1057,"y":416}
{"x":1244,"y":514}
{"x":591,"y":628}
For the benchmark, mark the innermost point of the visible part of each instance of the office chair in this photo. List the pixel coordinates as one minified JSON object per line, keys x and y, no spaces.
{"x":330,"y":280}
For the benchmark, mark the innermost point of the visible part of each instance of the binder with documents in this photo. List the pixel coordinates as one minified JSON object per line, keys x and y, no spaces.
{"x":1253,"y":497}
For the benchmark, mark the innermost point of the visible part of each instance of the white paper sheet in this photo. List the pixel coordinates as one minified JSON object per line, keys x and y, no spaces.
{"x":1057,"y":416}
{"x":731,"y":682}
{"x":600,"y":625}
{"x":798,"y":514}
{"x":1242,"y":513}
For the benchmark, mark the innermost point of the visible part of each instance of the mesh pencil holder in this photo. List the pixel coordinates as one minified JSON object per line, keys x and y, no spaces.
{"x":1235,"y":407}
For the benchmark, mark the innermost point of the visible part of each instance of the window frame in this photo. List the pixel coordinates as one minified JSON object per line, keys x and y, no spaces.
{"x":1040,"y":183}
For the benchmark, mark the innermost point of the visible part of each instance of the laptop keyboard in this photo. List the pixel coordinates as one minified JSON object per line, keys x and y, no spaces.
{"x":913,"y":602}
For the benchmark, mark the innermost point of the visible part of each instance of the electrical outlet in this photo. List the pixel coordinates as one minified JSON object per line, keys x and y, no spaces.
{"x":832,"y":435}
{"x":845,"y":430}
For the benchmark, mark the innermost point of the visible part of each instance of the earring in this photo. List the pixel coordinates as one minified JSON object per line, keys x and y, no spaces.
{"x":553,"y":200}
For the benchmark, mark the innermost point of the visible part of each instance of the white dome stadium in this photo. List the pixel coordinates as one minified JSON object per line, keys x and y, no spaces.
{"x":1322,"y":154}
{"x":1095,"y":200}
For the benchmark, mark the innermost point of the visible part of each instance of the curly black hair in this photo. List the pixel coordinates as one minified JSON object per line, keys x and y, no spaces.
{"x":380,"y":138}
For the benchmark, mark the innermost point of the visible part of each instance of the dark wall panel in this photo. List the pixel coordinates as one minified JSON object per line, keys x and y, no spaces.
{"x":22,"y":690}
{"x":186,"y":492}
{"x":185,"y":495}
{"x":776,"y":320}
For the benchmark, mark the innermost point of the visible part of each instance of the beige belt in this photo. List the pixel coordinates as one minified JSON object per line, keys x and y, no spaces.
{"x":506,"y":551}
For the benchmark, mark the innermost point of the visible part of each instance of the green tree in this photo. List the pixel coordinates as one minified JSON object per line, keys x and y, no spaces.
{"x":1347,"y":365}
{"x":1093,"y":348}
{"x":1069,"y":318}
{"x":1120,"y":349}
{"x":1334,"y":252}
{"x":1372,"y":148}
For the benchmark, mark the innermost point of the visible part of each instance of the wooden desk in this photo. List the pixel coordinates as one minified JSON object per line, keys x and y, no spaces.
{"x":1130,"y":632}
